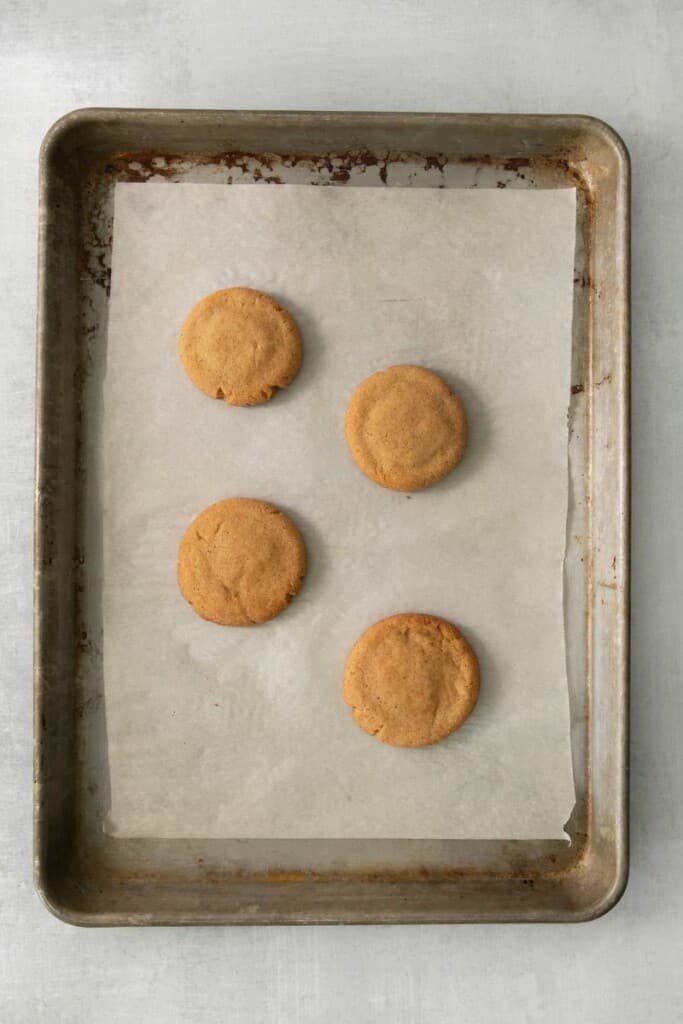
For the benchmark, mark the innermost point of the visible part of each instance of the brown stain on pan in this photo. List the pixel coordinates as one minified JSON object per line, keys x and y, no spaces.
{"x":138,"y":166}
{"x":141,"y":165}
{"x":335,"y":167}
{"x":549,"y":871}
{"x":424,"y":876}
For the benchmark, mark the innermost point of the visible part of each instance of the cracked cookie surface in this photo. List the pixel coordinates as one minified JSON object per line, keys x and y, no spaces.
{"x":240,"y":562}
{"x":405,"y":428}
{"x":411,"y":680}
{"x":238,"y":344}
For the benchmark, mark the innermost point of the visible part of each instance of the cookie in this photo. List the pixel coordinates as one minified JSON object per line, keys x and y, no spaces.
{"x":405,"y":428}
{"x":240,"y":345}
{"x":240,"y":562}
{"x":410,"y":680}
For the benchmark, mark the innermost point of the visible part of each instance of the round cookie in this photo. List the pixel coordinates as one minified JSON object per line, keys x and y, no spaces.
{"x":241,"y":562}
{"x":240,"y":345}
{"x":405,"y":428}
{"x":411,"y":679}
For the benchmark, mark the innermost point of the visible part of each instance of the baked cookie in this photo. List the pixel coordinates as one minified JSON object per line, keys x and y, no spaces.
{"x":240,"y":562}
{"x":240,"y":345}
{"x":405,"y":428}
{"x":410,"y":680}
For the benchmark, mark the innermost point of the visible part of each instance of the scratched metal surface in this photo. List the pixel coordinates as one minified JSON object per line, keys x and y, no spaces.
{"x":92,"y":879}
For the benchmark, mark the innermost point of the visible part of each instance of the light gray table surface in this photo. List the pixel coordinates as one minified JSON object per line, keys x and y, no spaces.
{"x":618,"y":60}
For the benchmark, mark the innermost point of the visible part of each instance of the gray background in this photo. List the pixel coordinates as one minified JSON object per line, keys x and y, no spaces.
{"x":617,"y":60}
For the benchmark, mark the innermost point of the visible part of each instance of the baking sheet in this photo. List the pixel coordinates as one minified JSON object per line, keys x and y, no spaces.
{"x":224,"y":732}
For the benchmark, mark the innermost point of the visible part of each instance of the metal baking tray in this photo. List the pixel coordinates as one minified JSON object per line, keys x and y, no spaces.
{"x":89,"y":878}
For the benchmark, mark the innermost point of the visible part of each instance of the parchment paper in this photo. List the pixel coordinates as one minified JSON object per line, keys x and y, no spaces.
{"x":224,"y":732}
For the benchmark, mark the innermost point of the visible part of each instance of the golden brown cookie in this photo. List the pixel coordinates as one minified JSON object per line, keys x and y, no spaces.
{"x":411,"y":679}
{"x":405,"y":428}
{"x":240,"y":562}
{"x":240,"y":345}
